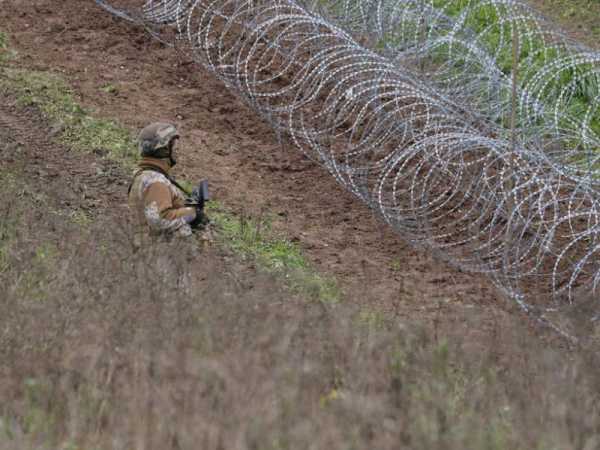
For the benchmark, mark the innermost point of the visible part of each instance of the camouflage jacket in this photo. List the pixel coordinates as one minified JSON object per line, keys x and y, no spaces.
{"x":157,"y":205}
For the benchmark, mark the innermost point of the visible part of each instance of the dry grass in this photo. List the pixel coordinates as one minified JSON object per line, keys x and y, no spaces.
{"x":103,"y":347}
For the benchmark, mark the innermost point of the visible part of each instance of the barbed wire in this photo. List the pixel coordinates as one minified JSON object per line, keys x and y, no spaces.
{"x":465,"y":50}
{"x":494,"y":170}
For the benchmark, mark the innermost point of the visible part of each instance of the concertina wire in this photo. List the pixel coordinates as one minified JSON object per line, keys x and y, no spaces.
{"x":473,"y":132}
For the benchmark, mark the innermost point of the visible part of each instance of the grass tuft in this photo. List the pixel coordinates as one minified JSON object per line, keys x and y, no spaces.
{"x":252,"y":238}
{"x":3,"y":46}
{"x":6,"y":53}
{"x":8,"y":221}
{"x":75,"y":125}
{"x":110,"y":89}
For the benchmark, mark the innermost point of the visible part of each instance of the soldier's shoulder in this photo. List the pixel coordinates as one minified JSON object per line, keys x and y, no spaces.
{"x":149,"y":177}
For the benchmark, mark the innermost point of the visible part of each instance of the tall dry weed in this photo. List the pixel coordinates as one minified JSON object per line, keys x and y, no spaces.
{"x":169,"y":347}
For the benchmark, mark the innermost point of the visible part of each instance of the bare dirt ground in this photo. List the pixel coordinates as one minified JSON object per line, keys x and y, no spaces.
{"x":248,"y":168}
{"x":578,"y":18}
{"x":73,"y":180}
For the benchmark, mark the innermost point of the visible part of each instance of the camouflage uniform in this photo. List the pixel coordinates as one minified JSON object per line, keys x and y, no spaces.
{"x":157,"y":204}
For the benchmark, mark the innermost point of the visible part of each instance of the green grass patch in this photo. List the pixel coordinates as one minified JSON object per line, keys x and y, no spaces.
{"x":495,"y":34}
{"x":576,"y":15}
{"x":76,"y":126}
{"x":9,"y":221}
{"x":3,"y":46}
{"x":6,"y":53}
{"x":37,"y":262}
{"x":254,"y":239}
{"x":494,"y":31}
{"x":371,"y":319}
{"x":110,"y":89}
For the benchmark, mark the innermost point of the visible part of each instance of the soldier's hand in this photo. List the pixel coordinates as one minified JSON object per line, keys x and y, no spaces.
{"x":200,"y":221}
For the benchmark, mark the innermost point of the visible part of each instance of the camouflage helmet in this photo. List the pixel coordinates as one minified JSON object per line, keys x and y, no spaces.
{"x":155,"y":138}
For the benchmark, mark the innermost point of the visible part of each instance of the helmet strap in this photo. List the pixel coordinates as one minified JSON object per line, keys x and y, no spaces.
{"x":172,"y":160}
{"x":170,"y":146}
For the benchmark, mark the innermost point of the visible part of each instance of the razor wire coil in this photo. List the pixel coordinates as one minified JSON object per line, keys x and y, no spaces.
{"x":407,"y":105}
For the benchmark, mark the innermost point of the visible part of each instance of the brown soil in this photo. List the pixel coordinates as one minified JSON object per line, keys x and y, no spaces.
{"x":248,"y":168}
{"x":577,"y":18}
{"x":71,"y":181}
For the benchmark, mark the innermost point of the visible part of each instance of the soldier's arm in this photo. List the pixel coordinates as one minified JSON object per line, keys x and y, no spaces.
{"x":160,"y":212}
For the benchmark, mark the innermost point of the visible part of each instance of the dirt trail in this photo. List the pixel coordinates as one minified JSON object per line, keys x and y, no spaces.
{"x":75,"y":181}
{"x":249,"y":169}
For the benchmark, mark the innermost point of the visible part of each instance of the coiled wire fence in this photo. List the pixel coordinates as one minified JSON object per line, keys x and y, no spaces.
{"x":470,"y":127}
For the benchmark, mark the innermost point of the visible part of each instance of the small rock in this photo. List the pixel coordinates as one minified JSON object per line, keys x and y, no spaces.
{"x":13,"y":147}
{"x":56,"y":129}
{"x":100,"y":152}
{"x":56,"y":28}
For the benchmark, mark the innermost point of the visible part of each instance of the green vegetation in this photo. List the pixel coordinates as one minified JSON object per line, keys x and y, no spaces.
{"x":6,"y":53}
{"x":396,"y":265}
{"x":3,"y":46}
{"x":495,"y":35}
{"x":78,"y":128}
{"x":7,"y":222}
{"x":158,"y":348}
{"x":372,"y":319}
{"x":37,"y":420}
{"x":80,"y":218}
{"x":75,"y":126}
{"x":254,"y":239}
{"x":33,"y":280}
{"x":110,"y":89}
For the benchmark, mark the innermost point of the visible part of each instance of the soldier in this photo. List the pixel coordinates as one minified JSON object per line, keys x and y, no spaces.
{"x":157,"y":201}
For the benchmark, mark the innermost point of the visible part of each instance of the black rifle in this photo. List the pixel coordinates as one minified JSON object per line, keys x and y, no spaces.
{"x":199,"y":195}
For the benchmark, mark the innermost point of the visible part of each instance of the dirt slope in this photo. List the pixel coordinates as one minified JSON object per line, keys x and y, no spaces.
{"x":86,"y":190}
{"x":247,"y":166}
{"x":75,"y":181}
{"x":98,"y":354}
